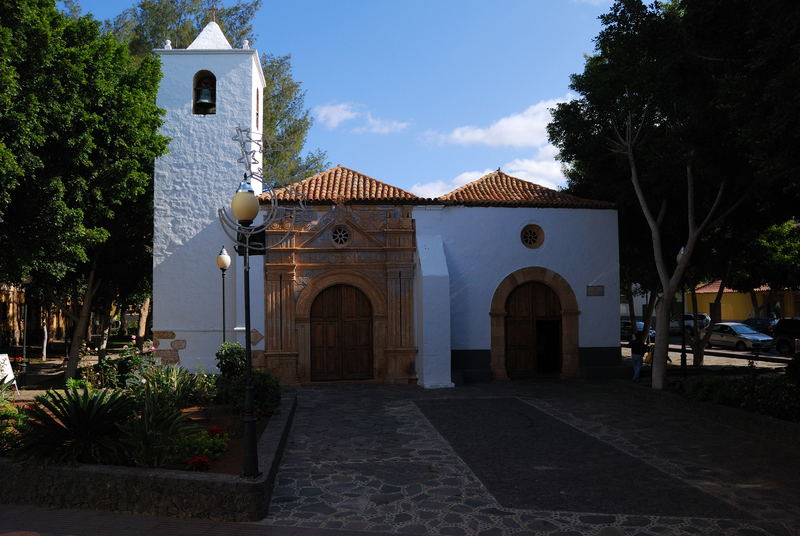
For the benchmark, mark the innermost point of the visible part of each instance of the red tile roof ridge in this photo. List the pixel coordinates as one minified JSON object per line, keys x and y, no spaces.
{"x":341,"y":184}
{"x":713,"y":287}
{"x":500,"y":189}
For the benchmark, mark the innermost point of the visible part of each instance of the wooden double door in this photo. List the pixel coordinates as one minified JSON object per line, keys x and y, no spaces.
{"x":533,"y":331}
{"x":341,"y":335}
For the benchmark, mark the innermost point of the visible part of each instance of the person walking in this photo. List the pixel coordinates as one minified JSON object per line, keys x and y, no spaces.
{"x":638,"y":348}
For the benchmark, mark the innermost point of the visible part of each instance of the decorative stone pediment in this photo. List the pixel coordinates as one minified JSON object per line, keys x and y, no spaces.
{"x":341,"y":232}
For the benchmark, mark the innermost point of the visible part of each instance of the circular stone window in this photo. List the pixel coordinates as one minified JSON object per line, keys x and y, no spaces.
{"x":340,"y":235}
{"x":532,"y":236}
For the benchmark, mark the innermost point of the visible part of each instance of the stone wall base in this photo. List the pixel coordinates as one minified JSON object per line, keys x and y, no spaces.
{"x":153,"y":491}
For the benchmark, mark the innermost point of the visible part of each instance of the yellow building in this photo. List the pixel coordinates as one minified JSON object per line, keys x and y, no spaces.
{"x":739,"y":305}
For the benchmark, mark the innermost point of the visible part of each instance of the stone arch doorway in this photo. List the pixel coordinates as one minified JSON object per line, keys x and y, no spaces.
{"x":533,"y":331}
{"x":341,"y":335}
{"x":566,"y":321}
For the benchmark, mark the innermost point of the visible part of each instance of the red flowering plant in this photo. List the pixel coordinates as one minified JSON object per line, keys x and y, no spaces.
{"x":216,"y":431}
{"x":198,"y":463}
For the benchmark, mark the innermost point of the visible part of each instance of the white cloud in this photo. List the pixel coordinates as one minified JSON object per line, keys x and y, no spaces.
{"x":541,"y":169}
{"x":381,"y":126}
{"x":437,"y":188}
{"x":525,"y":129}
{"x":331,"y":115}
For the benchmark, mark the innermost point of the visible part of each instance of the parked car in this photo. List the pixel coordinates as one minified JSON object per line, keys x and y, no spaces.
{"x":626,"y":334}
{"x":764,"y":325}
{"x":785,"y":332}
{"x":703,"y":320}
{"x":739,"y":336}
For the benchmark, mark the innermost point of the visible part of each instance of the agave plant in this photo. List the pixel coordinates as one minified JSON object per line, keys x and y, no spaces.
{"x":77,"y":426}
{"x":150,"y":436}
{"x":6,"y":391}
{"x":171,"y":386}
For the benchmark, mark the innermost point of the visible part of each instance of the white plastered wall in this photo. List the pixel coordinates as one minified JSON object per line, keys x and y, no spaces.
{"x":432,"y":318}
{"x":482,"y":246}
{"x":197,"y":176}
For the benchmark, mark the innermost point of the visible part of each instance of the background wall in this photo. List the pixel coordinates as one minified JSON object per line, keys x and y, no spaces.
{"x":482,"y":246}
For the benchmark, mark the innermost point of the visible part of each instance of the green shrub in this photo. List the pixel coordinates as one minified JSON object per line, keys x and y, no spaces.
{"x":171,"y":386}
{"x":150,"y":436}
{"x":200,"y":443}
{"x":78,"y":426}
{"x":266,"y":391}
{"x":12,"y":424}
{"x":206,"y":388}
{"x":6,"y":391}
{"x":231,"y":359}
{"x":116,"y":373}
{"x":74,"y":383}
{"x":777,"y":396}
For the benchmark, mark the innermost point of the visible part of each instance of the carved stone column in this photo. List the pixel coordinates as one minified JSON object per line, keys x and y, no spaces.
{"x":280,"y":353}
{"x":400,"y":349}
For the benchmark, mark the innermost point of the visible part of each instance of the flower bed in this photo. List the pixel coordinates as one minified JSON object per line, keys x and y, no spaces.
{"x":154,"y":491}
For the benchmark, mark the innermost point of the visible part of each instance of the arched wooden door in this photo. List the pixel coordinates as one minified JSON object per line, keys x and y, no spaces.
{"x":341,"y":335}
{"x":533,"y":331}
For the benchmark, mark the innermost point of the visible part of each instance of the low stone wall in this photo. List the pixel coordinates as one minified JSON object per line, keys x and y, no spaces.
{"x":154,"y":491}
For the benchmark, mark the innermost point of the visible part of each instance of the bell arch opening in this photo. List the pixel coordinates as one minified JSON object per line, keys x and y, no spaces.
{"x":204,"y":93}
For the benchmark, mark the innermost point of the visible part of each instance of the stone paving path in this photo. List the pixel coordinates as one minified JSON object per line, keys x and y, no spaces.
{"x":366,"y":458}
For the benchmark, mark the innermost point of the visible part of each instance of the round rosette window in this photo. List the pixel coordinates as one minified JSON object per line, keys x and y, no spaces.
{"x":532,"y":236}
{"x":340,"y":235}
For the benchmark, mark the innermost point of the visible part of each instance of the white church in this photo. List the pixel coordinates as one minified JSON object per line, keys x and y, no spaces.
{"x":498,"y":279}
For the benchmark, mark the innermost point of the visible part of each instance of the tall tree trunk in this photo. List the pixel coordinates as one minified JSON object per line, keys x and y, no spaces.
{"x":754,"y":303}
{"x":626,"y":143}
{"x":105,"y":330}
{"x":79,"y":333}
{"x":631,"y":306}
{"x":45,"y":332}
{"x":144,"y":312}
{"x":768,"y":303}
{"x":123,"y":324}
{"x":651,"y":307}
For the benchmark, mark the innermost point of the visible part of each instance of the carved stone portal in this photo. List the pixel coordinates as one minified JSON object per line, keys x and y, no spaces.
{"x":369,"y":247}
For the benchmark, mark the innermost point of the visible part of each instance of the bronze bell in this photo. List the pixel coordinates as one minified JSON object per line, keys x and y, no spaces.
{"x":205,"y":100}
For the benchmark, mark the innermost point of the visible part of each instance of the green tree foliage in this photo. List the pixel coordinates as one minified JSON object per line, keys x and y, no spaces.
{"x":658,"y":125}
{"x":80,"y":123}
{"x":286,"y":121}
{"x":149,"y":23}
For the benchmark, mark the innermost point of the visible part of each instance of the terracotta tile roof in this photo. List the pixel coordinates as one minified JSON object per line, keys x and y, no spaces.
{"x":340,"y":185}
{"x":499,"y":189}
{"x":713,"y":287}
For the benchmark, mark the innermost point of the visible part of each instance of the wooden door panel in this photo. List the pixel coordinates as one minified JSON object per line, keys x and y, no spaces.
{"x":341,"y":335}
{"x":533,"y":332}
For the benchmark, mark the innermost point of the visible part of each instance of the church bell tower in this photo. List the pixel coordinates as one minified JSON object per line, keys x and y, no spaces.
{"x":208,"y":90}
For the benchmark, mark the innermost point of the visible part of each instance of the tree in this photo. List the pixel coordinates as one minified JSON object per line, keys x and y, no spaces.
{"x":83,"y":125}
{"x":651,"y":97}
{"x":149,"y":23}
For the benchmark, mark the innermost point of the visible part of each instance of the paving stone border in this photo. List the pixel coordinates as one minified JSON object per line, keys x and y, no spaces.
{"x":154,"y":491}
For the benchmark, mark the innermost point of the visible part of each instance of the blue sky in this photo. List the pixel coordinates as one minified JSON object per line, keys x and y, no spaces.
{"x":427,"y":95}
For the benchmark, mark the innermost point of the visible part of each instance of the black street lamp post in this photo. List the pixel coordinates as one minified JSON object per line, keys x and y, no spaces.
{"x":249,"y":239}
{"x":244,"y":208}
{"x":223,"y":262}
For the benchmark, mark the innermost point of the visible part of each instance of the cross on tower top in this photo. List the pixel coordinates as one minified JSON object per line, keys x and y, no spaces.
{"x":213,"y":11}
